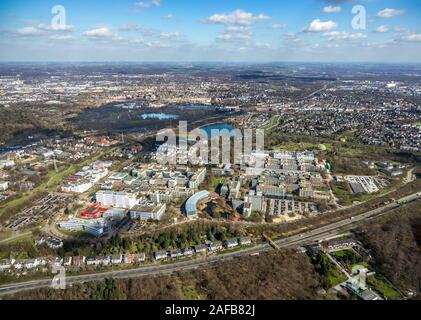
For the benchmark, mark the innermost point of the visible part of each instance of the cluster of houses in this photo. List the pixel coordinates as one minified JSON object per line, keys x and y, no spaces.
{"x":209,"y":247}
{"x":51,"y":242}
{"x":118,"y":259}
{"x":78,"y":261}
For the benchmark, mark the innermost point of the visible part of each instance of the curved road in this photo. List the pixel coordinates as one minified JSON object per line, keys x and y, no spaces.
{"x":290,"y":242}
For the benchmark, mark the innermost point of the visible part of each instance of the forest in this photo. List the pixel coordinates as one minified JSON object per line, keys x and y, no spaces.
{"x":272,"y":275}
{"x":395,"y":242}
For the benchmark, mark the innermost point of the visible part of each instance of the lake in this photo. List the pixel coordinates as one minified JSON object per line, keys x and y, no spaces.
{"x":219,"y":126}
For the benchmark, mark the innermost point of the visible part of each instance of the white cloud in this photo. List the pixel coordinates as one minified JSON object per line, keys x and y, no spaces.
{"x":46,"y":27}
{"x":390,"y":13}
{"x":332,"y":9}
{"x":138,"y":28}
{"x":261,"y":45}
{"x":240,"y":29}
{"x":378,"y":45}
{"x":156,"y":44}
{"x":233,"y":37}
{"x":29,"y":31}
{"x":148,"y":4}
{"x":60,"y":37}
{"x":319,"y":26}
{"x":382,"y":29}
{"x":332,"y":45}
{"x":338,"y":36}
{"x":238,"y":17}
{"x":103,"y":32}
{"x":170,"y":34}
{"x":413,"y":37}
{"x":279,"y":26}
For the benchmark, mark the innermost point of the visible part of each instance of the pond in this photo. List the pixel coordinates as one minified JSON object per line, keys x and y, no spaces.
{"x":226,"y":127}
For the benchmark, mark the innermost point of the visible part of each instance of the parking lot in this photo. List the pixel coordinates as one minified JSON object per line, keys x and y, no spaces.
{"x":42,"y":209}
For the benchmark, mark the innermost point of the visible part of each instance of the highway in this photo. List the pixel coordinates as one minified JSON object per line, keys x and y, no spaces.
{"x":311,"y":236}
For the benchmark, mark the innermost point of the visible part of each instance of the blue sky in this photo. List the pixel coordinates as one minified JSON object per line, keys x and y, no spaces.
{"x":210,"y":30}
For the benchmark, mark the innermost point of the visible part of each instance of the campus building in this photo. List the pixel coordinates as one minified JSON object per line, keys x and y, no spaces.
{"x":192,"y":202}
{"x":148,"y":213}
{"x":116,"y":199}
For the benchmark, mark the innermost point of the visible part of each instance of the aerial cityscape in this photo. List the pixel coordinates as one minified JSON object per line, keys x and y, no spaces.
{"x":210,"y":150}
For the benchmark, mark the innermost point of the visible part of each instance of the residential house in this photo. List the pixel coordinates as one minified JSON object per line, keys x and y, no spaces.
{"x":117,"y":259}
{"x":245,"y":241}
{"x":161,"y":255}
{"x":201,"y":249}
{"x":231,"y":243}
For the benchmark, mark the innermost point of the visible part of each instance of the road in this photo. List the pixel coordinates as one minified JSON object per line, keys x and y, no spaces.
{"x":153,"y":269}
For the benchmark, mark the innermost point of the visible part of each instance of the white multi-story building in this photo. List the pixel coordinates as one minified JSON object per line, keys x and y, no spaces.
{"x":4,"y":185}
{"x":84,"y":180}
{"x":94,"y":226}
{"x":146,"y":213}
{"x":77,"y":187}
{"x":197,"y":179}
{"x":6,"y":164}
{"x":116,"y":199}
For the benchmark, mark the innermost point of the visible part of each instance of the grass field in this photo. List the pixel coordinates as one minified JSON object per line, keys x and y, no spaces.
{"x":334,"y":276}
{"x":216,"y":182}
{"x":273,"y":122}
{"x":341,"y":190}
{"x":358,"y":198}
{"x":384,"y":287}
{"x":304,"y":146}
{"x":190,"y":293}
{"x":351,"y":151}
{"x":24,"y":237}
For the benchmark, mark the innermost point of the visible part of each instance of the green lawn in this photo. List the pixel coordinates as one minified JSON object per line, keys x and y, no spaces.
{"x":304,"y":146}
{"x":351,"y":151}
{"x":350,"y":258}
{"x":23,"y":238}
{"x":273,"y":122}
{"x":384,"y":287}
{"x":341,"y":190}
{"x":334,"y":276}
{"x":343,"y":254}
{"x":190,"y":293}
{"x":216,"y":182}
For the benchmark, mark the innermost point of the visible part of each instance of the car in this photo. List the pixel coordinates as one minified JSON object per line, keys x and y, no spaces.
{"x":352,"y":218}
